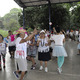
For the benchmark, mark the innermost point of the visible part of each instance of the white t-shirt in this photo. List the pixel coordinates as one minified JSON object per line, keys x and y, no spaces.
{"x":58,"y":39}
{"x":46,"y":35}
{"x":76,"y":33}
{"x":20,"y":49}
{"x":10,"y":43}
{"x":17,"y":41}
{"x":52,"y":43}
{"x":25,"y":36}
{"x":79,"y":37}
{"x":71,"y":33}
{"x":42,"y":47}
{"x":67,"y":32}
{"x":3,"y":47}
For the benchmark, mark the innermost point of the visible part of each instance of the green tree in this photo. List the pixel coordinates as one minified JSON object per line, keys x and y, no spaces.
{"x":76,"y":17}
{"x":10,"y":20}
{"x":39,"y":16}
{"x":1,"y":25}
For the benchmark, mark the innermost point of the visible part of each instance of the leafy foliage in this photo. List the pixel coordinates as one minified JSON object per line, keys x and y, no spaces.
{"x":39,"y":16}
{"x":64,"y":15}
{"x":10,"y":20}
{"x":75,"y":18}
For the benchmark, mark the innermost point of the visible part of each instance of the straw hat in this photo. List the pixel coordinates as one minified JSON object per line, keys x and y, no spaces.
{"x":21,"y":31}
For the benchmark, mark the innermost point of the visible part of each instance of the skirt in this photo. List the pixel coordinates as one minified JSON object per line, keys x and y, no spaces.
{"x":21,"y":64}
{"x":59,"y":51}
{"x":44,"y":56}
{"x":78,"y":47}
{"x":32,"y":53}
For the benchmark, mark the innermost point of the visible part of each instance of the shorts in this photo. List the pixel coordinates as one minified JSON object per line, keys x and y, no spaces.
{"x":21,"y":64}
{"x":12,"y":48}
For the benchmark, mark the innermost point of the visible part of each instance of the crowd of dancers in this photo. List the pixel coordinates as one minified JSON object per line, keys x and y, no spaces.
{"x":25,"y":46}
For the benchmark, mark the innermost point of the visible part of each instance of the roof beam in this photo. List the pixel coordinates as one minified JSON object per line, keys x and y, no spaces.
{"x":67,"y":2}
{"x":20,"y":3}
{"x":35,"y":1}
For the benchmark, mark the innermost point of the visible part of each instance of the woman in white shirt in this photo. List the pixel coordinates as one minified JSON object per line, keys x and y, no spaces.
{"x":59,"y":50}
{"x":20,"y":53}
{"x":43,"y":50}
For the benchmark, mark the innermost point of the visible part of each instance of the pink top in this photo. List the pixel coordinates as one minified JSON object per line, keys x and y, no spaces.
{"x":12,"y":38}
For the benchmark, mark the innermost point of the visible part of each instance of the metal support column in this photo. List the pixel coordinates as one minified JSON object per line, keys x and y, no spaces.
{"x":49,"y":15}
{"x":23,"y":19}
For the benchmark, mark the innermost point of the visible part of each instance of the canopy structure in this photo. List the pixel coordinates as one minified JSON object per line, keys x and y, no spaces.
{"x":29,"y":3}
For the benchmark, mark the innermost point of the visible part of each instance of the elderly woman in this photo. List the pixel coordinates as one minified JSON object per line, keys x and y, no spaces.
{"x":20,"y":53}
{"x":43,"y":50}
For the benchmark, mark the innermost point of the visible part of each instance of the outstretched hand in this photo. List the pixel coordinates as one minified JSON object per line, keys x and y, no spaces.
{"x":35,"y":31}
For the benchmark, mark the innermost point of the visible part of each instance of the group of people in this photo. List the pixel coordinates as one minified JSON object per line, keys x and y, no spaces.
{"x":74,"y":35}
{"x":25,"y":47}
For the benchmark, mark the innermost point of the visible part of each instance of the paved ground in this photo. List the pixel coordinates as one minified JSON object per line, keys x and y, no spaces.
{"x":71,"y":67}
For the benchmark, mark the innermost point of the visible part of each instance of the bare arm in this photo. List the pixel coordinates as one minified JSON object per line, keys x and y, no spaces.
{"x":63,"y":40}
{"x":49,"y":43}
{"x":29,"y":37}
{"x":38,"y":42}
{"x":32,"y":44}
{"x":52,"y":41}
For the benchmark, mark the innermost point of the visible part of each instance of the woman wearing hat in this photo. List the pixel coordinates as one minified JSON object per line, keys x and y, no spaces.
{"x":59,"y":50}
{"x":20,"y":53}
{"x":43,"y":50}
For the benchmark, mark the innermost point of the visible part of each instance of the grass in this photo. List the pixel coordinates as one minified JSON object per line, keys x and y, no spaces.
{"x":4,"y":33}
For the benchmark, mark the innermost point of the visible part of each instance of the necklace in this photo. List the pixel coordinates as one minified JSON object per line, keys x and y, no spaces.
{"x":42,"y":42}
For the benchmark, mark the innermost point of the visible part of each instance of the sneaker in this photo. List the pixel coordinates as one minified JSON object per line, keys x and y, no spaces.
{"x":16,"y":75}
{"x":59,"y":70}
{"x":41,"y":68}
{"x":10,"y":56}
{"x":78,"y":54}
{"x":32,"y":67}
{"x":46,"y":69}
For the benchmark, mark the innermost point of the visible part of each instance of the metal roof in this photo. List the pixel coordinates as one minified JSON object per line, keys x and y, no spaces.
{"x":28,"y":3}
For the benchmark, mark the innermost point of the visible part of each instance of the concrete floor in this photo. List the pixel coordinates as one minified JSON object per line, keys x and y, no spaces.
{"x":71,"y":67}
